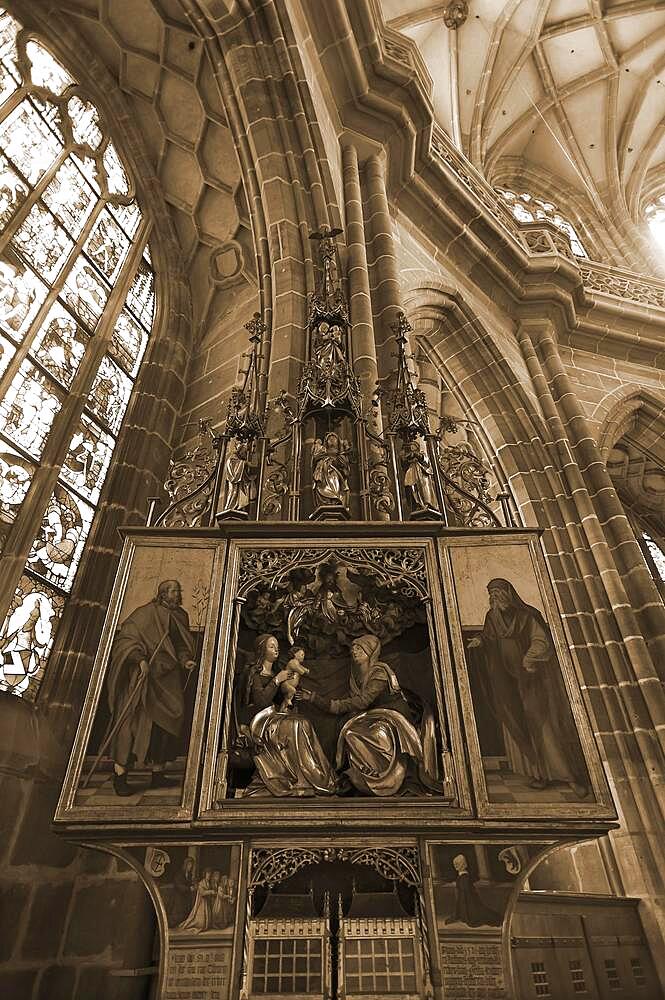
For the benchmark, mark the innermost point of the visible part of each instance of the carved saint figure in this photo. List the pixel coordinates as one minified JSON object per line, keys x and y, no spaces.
{"x":290,"y":760}
{"x":237,"y":479}
{"x":379,"y":739}
{"x":526,"y":691}
{"x":330,"y":470}
{"x":152,"y":651}
{"x":329,"y":350}
{"x":418,"y":477}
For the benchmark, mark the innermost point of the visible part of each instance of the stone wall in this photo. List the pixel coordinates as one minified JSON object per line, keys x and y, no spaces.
{"x":69,"y":917}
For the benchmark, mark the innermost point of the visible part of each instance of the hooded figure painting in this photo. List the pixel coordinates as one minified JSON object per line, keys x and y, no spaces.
{"x":525,"y":692}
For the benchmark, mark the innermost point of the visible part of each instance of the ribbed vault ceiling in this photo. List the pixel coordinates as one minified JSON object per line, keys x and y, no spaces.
{"x":161,"y":66}
{"x":574,"y":87}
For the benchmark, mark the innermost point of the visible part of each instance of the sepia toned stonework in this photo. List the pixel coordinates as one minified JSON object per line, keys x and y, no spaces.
{"x":331,"y":500}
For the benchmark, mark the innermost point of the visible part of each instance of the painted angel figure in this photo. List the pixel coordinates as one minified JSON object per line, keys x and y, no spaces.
{"x":330,"y":470}
{"x":418,"y":477}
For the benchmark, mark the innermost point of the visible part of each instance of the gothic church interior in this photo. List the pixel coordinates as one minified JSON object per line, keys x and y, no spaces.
{"x":332,"y":499}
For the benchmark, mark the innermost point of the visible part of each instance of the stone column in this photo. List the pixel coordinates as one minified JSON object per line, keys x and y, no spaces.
{"x":363,"y":345}
{"x":384,"y":268}
{"x":618,"y":675}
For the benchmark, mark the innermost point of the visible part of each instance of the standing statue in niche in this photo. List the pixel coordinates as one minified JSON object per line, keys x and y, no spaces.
{"x":237,"y":479}
{"x":526,"y":691}
{"x":330,"y":471}
{"x":418,"y":477}
{"x":329,"y":350}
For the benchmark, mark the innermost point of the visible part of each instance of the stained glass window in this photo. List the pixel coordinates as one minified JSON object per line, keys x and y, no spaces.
{"x":526,"y":208}
{"x":70,"y":232}
{"x":654,"y":213}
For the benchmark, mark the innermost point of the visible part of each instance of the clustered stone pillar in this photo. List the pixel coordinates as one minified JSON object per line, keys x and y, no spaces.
{"x":384,"y":269}
{"x":363,"y":345}
{"x":620,"y":678}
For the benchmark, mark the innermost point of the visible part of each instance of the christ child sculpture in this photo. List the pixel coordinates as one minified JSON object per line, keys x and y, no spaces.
{"x":296,"y":669}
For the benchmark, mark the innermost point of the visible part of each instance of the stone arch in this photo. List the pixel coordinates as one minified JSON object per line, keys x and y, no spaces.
{"x":638,"y":412}
{"x":632,"y":444}
{"x":283,"y":161}
{"x":489,"y":379}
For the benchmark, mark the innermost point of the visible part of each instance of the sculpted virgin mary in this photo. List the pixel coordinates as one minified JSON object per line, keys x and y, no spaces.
{"x":289,"y":761}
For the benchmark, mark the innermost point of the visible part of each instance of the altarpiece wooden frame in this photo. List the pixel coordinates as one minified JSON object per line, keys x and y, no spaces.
{"x":68,"y":810}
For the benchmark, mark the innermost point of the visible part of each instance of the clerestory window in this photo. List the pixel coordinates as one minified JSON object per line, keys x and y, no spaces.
{"x":76,"y":310}
{"x":526,"y":208}
{"x":654,"y":213}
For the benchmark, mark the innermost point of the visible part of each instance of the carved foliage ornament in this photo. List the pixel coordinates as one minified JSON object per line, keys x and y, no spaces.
{"x":191,"y":481}
{"x":455,"y":14}
{"x":390,"y":565}
{"x":270,"y":867}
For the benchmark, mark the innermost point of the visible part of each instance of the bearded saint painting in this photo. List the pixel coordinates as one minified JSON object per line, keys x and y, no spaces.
{"x":521,"y":684}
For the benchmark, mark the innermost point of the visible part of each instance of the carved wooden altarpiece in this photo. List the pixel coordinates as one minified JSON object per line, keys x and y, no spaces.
{"x":333,"y":721}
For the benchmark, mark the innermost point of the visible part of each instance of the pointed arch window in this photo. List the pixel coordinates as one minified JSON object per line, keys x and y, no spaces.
{"x":654,"y":213}
{"x":526,"y":208}
{"x":76,"y":310}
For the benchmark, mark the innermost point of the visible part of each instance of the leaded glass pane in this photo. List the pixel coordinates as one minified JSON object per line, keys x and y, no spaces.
{"x":85,"y":292}
{"x":128,"y":216}
{"x":117,"y":180}
{"x":141,"y":296}
{"x":13,"y":192}
{"x":110,"y":393}
{"x":85,"y":122}
{"x":128,"y":343}
{"x":70,"y":197}
{"x":7,"y":352}
{"x":657,"y":554}
{"x":9,"y":29}
{"x":107,"y":246}
{"x":56,"y":550}
{"x":16,"y":474}
{"x":10,"y":76}
{"x":27,"y":635}
{"x":45,"y":70}
{"x":28,"y":142}
{"x":87,"y":459}
{"x":43,"y":243}
{"x":21,"y":295}
{"x":28,"y":409}
{"x":8,"y":82}
{"x":60,"y":345}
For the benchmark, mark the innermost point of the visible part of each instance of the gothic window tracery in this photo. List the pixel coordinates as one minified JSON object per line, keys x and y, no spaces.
{"x":654,"y":213}
{"x":527,"y":208}
{"x":71,"y":236}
